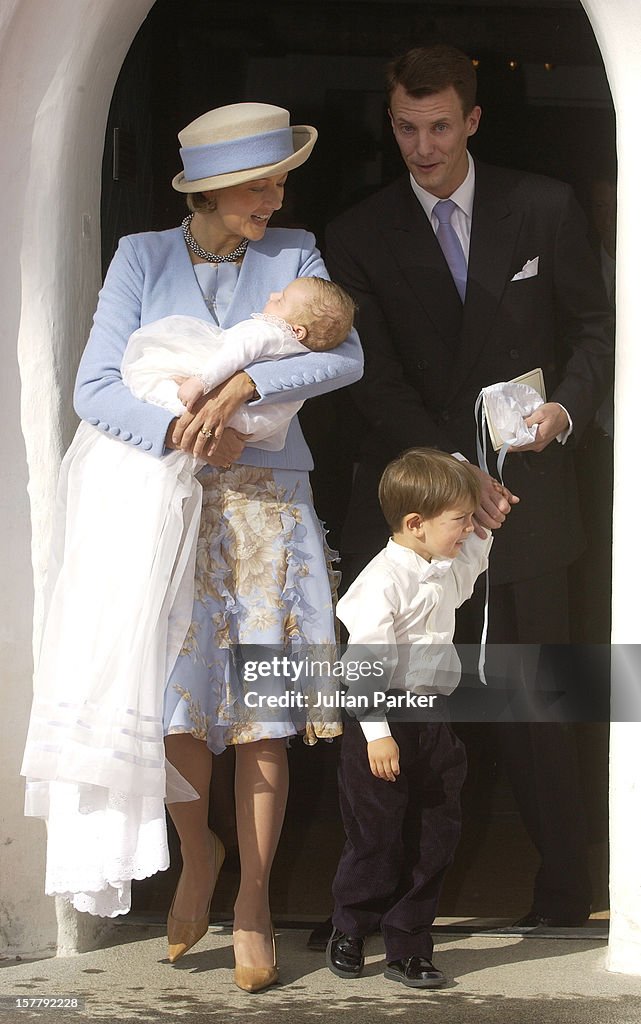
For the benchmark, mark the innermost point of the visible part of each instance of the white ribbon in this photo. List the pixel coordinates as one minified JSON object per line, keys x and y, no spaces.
{"x":507,"y":404}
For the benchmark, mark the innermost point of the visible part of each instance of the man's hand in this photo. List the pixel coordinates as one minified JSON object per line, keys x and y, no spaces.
{"x":494,"y":506}
{"x":200,"y":431}
{"x":552,"y":419}
{"x":383,"y":758}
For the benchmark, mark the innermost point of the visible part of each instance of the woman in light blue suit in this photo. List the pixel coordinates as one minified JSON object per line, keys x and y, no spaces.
{"x":262,"y":573}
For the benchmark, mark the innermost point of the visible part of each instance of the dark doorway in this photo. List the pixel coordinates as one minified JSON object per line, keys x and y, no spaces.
{"x":547,"y":108}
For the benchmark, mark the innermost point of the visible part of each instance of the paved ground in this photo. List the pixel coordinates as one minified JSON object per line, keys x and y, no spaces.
{"x":495,"y":979}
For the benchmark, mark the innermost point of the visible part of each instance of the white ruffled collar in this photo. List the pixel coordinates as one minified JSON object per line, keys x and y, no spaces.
{"x":415,"y":563}
{"x":277,"y":321}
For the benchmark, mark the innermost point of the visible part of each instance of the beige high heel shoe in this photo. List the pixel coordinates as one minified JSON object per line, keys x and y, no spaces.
{"x":182,"y":935}
{"x":255,"y":979}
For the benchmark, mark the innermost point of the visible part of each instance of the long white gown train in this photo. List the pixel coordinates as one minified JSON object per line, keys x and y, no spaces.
{"x":119,"y":603}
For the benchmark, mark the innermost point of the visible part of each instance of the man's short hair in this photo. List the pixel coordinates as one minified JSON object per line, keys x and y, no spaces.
{"x":426,"y":481}
{"x":429,"y":69}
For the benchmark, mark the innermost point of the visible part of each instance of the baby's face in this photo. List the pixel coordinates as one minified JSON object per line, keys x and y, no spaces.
{"x":291,"y":302}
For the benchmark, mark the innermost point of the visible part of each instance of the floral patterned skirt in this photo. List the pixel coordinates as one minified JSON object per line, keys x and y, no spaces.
{"x":257,"y":659}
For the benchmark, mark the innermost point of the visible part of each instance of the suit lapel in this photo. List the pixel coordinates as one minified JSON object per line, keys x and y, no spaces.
{"x":249,"y":294}
{"x":184,"y":295}
{"x":495,"y":230}
{"x":420,"y":259}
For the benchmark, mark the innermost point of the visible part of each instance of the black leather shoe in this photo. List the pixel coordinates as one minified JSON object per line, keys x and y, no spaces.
{"x":535,"y":920}
{"x":320,"y":936}
{"x":415,"y":972}
{"x":344,"y":955}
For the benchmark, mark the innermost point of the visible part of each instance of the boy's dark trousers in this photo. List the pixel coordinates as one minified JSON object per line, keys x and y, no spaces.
{"x":401,"y":836}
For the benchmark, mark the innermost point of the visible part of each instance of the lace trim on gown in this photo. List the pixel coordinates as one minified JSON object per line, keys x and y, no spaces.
{"x":277,"y":321}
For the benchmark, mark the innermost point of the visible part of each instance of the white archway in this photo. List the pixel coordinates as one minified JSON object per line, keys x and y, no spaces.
{"x":59,"y":60}
{"x":53,"y":111}
{"x":617,"y":27}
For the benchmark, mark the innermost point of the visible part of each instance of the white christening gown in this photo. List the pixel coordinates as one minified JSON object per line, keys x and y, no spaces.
{"x":118,"y":605}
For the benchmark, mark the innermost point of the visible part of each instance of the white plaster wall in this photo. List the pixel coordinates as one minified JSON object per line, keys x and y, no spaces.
{"x":59,"y":60}
{"x":617,"y":26}
{"x":16,"y":595}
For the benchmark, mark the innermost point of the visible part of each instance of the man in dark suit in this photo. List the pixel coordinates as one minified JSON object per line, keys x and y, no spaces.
{"x":454,"y":297}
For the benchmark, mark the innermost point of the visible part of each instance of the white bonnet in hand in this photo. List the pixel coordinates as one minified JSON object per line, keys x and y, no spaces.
{"x":506,"y":405}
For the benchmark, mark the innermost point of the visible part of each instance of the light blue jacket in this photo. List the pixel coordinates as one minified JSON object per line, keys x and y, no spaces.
{"x":151,"y":276}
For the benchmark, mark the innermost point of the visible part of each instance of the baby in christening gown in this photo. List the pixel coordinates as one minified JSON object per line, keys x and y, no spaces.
{"x":120,"y":593}
{"x":309,"y":314}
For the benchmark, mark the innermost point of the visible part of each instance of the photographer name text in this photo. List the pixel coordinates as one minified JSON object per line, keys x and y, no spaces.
{"x":340,"y":699}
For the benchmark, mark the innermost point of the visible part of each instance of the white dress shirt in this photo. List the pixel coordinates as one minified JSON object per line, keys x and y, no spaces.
{"x":461,"y":221}
{"x":400,"y":605}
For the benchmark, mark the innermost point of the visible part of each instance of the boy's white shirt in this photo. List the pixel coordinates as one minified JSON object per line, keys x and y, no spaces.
{"x":402,"y":599}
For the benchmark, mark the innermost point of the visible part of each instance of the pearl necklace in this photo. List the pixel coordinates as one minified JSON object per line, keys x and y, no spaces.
{"x":211,"y":257}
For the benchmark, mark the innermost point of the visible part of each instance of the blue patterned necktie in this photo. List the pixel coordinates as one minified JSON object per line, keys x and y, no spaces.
{"x":450,"y":244}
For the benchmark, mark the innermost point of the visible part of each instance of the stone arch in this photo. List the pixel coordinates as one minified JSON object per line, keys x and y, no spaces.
{"x":53,"y":111}
{"x":58,"y":67}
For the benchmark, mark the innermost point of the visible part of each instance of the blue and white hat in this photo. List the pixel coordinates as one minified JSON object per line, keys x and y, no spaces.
{"x":240,"y":142}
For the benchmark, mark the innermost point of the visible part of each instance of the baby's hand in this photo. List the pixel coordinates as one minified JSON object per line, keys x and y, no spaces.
{"x":190,"y":390}
{"x":383,"y":758}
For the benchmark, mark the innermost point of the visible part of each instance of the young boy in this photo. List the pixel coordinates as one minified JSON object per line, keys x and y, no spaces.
{"x":400,"y":780}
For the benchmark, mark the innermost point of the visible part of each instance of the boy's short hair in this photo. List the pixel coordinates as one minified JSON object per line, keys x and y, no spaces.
{"x":426,"y":70}
{"x":329,"y":316}
{"x":426,"y":481}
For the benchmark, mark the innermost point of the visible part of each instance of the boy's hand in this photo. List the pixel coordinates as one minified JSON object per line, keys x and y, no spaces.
{"x":383,"y":758}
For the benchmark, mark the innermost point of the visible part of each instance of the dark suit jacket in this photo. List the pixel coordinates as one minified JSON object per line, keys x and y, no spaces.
{"x":427,"y":357}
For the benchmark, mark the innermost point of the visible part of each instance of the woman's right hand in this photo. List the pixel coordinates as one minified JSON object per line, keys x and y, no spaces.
{"x":229,"y":447}
{"x":200,"y":430}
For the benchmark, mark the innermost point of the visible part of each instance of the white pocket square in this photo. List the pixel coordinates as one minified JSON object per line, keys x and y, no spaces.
{"x":530,"y":269}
